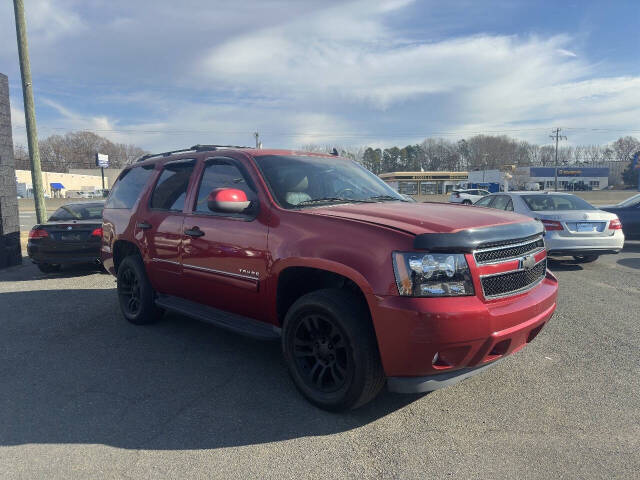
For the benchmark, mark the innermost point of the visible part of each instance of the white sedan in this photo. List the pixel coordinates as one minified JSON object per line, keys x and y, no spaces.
{"x":573,"y":227}
{"x":467,"y":197}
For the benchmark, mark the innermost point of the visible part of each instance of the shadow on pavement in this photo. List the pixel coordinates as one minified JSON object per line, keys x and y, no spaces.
{"x":29,"y":271}
{"x":73,"y":371}
{"x":563,"y":265}
{"x":630,"y":262}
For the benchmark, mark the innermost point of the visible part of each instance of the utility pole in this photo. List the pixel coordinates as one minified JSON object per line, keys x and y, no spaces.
{"x":29,"y":111}
{"x":258,"y":143}
{"x":557,"y":137}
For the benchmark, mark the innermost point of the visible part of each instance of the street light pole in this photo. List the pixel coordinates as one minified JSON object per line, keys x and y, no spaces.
{"x":29,"y":111}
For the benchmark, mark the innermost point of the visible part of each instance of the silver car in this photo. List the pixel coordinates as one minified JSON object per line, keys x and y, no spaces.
{"x":573,"y":226}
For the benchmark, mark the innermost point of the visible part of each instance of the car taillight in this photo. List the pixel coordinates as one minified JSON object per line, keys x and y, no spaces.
{"x":38,"y":233}
{"x":97,"y":232}
{"x":457,"y":195}
{"x":551,"y":225}
{"x":615,"y":224}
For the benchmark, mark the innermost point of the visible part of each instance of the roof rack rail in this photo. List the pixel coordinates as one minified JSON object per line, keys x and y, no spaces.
{"x":195,"y":148}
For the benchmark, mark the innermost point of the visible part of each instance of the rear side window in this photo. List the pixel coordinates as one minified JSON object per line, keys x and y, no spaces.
{"x":129,"y":187}
{"x":171,"y":189}
{"x":220,"y":174}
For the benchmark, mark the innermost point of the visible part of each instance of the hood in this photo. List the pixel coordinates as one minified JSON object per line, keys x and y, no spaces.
{"x":419,"y":218}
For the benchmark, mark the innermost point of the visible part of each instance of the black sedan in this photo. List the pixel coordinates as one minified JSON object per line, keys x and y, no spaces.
{"x":73,"y":234}
{"x":629,"y":214}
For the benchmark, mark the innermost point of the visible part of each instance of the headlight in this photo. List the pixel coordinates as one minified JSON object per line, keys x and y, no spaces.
{"x":432,"y":274}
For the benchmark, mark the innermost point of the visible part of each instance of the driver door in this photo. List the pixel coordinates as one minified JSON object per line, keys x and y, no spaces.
{"x":224,"y":256}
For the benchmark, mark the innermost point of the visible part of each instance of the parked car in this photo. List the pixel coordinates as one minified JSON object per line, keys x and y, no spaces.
{"x":72,"y":235}
{"x":359,"y":285}
{"x":467,"y":197}
{"x":573,"y":226}
{"x":629,"y":214}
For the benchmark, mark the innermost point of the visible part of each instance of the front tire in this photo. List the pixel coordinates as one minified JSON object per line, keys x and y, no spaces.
{"x":331,"y":350}
{"x":135,"y":293}
{"x":585,"y":258}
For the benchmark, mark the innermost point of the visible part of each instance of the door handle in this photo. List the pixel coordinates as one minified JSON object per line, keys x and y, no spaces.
{"x":194,"y":232}
{"x":143,"y":225}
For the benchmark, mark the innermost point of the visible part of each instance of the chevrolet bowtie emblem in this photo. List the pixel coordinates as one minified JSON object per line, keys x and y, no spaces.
{"x":528,"y":262}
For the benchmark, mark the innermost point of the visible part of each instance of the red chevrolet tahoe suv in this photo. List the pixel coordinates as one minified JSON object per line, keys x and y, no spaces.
{"x":361,"y":285}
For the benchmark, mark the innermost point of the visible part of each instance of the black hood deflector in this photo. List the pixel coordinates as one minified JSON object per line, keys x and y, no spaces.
{"x":466,"y":241}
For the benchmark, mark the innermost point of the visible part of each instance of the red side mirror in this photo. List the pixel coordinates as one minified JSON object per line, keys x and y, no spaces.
{"x":228,"y":200}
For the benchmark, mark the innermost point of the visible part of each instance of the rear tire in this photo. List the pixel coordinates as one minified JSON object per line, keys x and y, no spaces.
{"x":466,"y":202}
{"x":135,"y":294}
{"x":48,"y":267}
{"x":331,"y":350}
{"x":585,"y":258}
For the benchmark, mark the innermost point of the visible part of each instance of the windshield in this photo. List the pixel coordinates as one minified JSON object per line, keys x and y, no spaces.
{"x":304,"y":181}
{"x":545,"y":202}
{"x":78,"y":211}
{"x":629,"y":202}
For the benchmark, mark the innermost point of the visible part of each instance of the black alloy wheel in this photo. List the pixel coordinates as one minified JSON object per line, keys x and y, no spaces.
{"x":129,"y":292}
{"x":330,"y":348}
{"x":321,"y":353}
{"x":135,"y":293}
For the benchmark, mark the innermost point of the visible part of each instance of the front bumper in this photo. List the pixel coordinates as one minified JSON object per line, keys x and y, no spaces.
{"x":430,"y":383}
{"x":428,"y":337}
{"x":563,"y":243}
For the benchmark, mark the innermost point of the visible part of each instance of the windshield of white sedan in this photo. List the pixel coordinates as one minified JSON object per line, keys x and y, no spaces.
{"x":306,"y":181}
{"x":545,"y":202}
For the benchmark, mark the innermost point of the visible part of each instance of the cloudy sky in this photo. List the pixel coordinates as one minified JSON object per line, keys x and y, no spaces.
{"x":164,"y":74}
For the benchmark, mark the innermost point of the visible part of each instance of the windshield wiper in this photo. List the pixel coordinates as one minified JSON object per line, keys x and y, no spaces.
{"x":314,"y":201}
{"x":382,"y":198}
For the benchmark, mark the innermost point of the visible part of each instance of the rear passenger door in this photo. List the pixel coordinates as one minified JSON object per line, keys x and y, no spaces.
{"x":160,"y":226}
{"x":225,"y":264}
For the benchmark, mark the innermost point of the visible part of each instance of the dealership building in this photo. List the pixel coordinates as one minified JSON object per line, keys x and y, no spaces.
{"x":524,"y":178}
{"x":424,"y":183}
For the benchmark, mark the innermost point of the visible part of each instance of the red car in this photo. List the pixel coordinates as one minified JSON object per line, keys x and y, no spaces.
{"x":362,"y":286}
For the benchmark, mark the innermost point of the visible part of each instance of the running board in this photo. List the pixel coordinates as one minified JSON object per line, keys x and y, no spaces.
{"x":229,"y":321}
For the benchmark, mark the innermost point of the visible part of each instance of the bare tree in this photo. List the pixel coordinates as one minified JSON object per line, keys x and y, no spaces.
{"x":625,"y":147}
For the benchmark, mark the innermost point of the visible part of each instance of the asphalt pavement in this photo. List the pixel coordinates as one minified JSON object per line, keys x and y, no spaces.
{"x":84,"y":394}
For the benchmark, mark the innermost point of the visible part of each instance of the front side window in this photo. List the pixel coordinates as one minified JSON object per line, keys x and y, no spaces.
{"x":220,"y":174}
{"x":129,"y":186}
{"x":304,"y":181}
{"x":171,"y":189}
{"x":546,"y":202}
{"x":501,"y":202}
{"x":484,"y":201}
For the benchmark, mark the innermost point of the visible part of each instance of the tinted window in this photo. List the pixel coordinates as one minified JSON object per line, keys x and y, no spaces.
{"x":484,"y":201}
{"x":129,"y":187}
{"x":171,"y":189}
{"x":78,"y":211}
{"x":501,"y":202}
{"x":220,"y":174}
{"x":555,"y":202}
{"x":305,"y":181}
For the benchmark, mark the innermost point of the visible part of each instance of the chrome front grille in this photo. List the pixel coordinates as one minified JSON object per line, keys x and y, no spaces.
{"x":520,"y":273}
{"x":509,"y":251}
{"x":514,"y":282}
